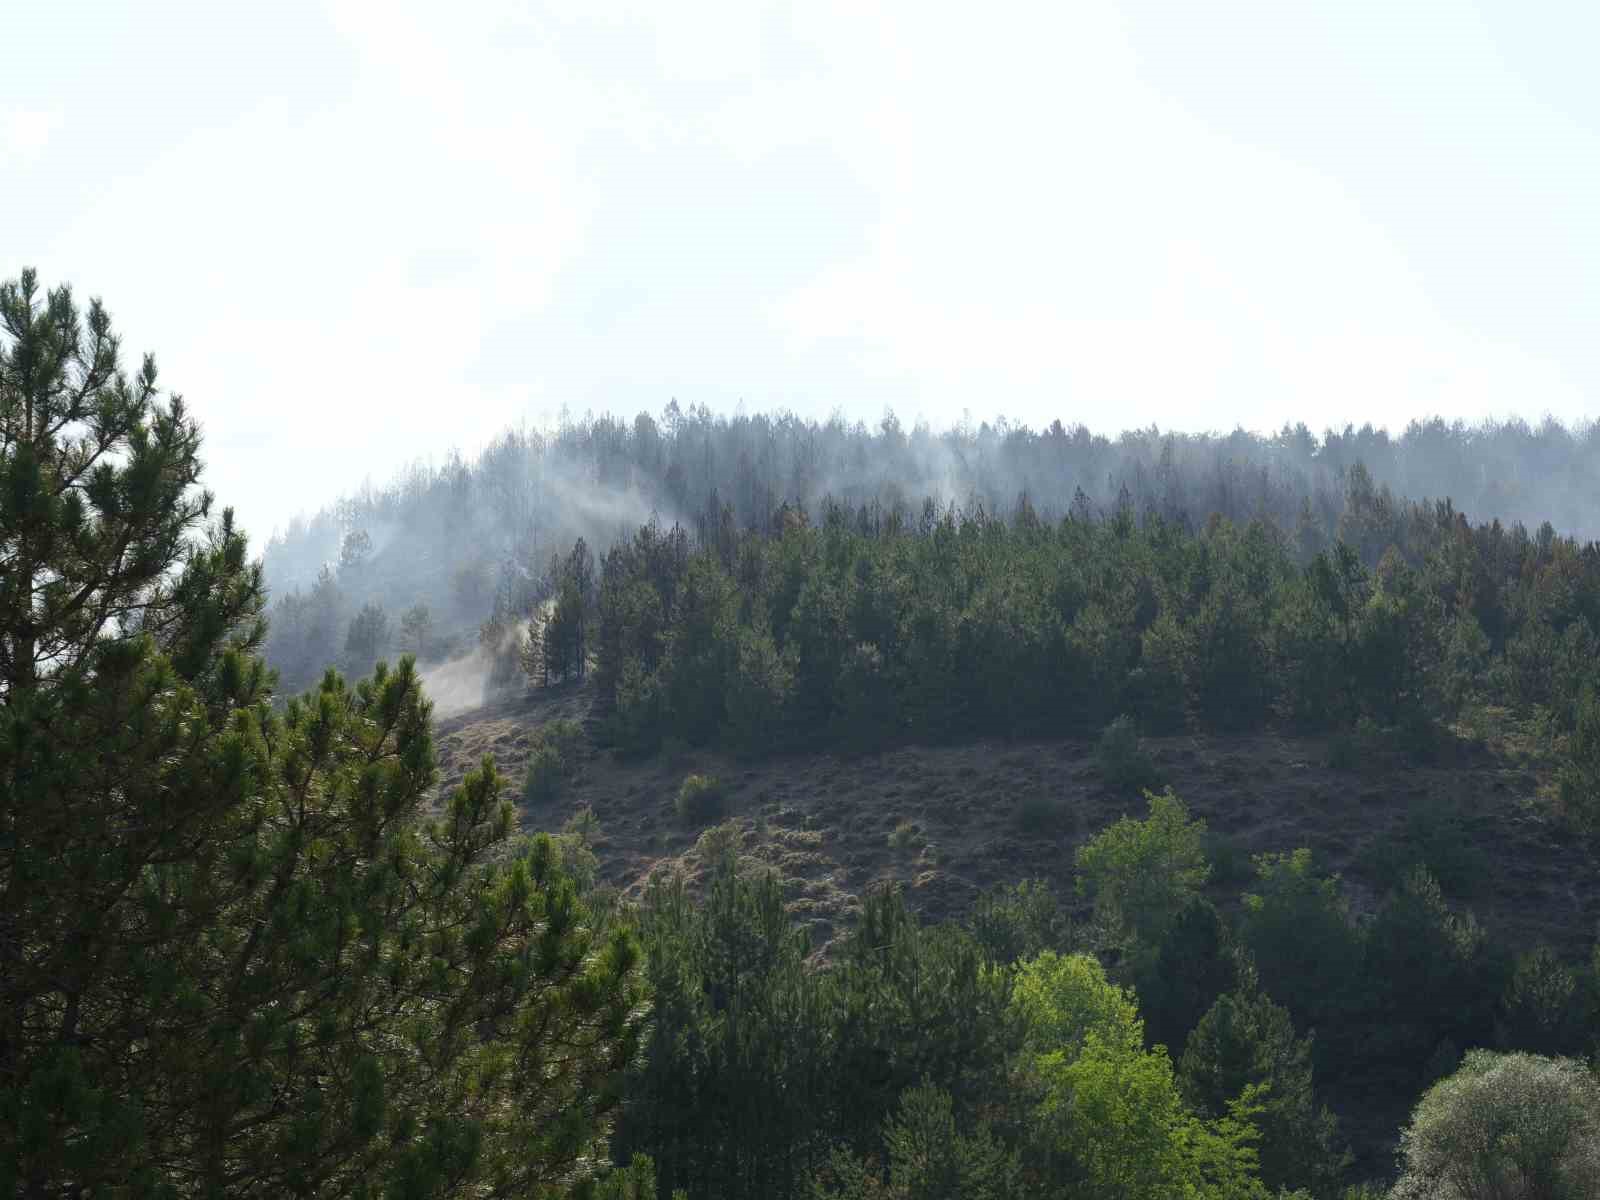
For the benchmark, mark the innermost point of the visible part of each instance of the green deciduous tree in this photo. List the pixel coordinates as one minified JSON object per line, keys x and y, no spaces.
{"x":1505,"y":1127}
{"x":236,"y":959}
{"x":1142,"y":873}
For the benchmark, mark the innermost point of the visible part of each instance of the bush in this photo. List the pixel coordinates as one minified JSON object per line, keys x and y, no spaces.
{"x":701,"y":800}
{"x":1043,"y":815}
{"x":905,"y":836}
{"x":1355,"y":749}
{"x":1124,"y":763}
{"x":1542,"y":1010}
{"x":1432,"y":835}
{"x":1511,"y":1125}
{"x":552,"y":761}
{"x":1019,"y":922}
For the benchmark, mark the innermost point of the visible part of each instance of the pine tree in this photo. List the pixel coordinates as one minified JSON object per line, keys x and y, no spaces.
{"x":234,"y":960}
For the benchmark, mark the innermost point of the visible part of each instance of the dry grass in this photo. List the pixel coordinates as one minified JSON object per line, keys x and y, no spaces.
{"x":829,"y":825}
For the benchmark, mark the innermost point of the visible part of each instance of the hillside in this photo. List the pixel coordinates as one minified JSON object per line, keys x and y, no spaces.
{"x":947,"y":822}
{"x":992,"y":812}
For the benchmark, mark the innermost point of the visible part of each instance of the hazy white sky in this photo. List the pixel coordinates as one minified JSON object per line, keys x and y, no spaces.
{"x":358,"y":233}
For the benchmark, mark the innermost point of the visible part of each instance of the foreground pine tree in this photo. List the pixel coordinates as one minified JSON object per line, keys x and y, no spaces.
{"x":235,"y":957}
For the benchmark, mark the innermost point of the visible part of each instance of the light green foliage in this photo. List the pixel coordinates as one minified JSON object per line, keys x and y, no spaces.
{"x":236,"y":960}
{"x":1109,"y":1118}
{"x":701,"y":800}
{"x":1060,"y":999}
{"x":1505,"y":1127}
{"x":1141,"y":873}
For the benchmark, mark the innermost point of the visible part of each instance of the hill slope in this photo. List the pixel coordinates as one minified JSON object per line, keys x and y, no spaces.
{"x":973,"y":816}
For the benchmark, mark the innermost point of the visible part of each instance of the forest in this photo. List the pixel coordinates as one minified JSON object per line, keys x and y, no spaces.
{"x":253,"y":947}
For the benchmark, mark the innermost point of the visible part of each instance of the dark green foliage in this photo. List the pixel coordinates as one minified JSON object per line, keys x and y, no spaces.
{"x":1434,"y":836}
{"x":368,"y":637}
{"x":1580,"y":773}
{"x":1125,"y":765}
{"x":1305,"y":945}
{"x":236,"y":959}
{"x":1192,"y":967}
{"x":760,"y":690}
{"x":552,"y":759}
{"x":1042,"y":814}
{"x":929,"y":1158}
{"x":701,"y":800}
{"x":1156,"y":685}
{"x":859,"y":632}
{"x":1020,"y":921}
{"x":1243,"y":1040}
{"x":914,"y":1004}
{"x":731,"y":1092}
{"x":1432,"y":975}
{"x":1544,"y":1009}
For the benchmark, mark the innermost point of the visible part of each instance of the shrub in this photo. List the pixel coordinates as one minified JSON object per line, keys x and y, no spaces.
{"x":552,"y":761}
{"x":1040,"y":814}
{"x":545,"y":772}
{"x":1511,"y":1125}
{"x":1432,"y":835}
{"x":1123,"y":761}
{"x":1018,"y":922}
{"x":904,"y":836}
{"x":701,"y":799}
{"x":1542,"y":1010}
{"x":1355,"y":749}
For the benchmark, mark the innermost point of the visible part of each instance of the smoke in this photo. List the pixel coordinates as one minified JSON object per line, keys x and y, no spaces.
{"x":459,"y":686}
{"x":471,"y":541}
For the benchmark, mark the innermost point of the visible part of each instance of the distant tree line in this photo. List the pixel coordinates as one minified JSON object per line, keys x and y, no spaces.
{"x":465,"y":539}
{"x":963,"y":624}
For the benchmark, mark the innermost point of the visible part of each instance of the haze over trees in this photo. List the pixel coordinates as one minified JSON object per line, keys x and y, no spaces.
{"x":249,"y":949}
{"x":472,"y":540}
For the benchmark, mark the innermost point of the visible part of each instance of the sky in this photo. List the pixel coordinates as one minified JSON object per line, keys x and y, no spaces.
{"x":357,"y":234}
